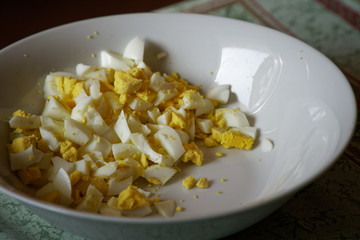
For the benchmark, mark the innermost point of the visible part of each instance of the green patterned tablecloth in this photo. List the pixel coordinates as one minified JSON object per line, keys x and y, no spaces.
{"x":327,"y":209}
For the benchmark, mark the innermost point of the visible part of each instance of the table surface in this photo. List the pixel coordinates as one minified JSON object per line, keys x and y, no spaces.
{"x":329,"y":208}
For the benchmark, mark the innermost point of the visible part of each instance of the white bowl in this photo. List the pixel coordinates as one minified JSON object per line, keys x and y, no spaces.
{"x":290,"y":91}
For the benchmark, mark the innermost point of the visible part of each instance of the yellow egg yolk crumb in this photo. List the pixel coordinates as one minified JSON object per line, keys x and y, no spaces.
{"x":189,"y":182}
{"x":203,"y":183}
{"x":192,"y":153}
{"x":131,"y":198}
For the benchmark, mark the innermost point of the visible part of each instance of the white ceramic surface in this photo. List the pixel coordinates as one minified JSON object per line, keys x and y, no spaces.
{"x":291,"y":92}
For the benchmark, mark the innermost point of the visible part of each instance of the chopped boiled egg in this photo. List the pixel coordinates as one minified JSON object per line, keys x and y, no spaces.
{"x":106,"y":127}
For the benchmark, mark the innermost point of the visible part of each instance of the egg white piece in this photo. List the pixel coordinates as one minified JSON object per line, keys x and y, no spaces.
{"x":136,"y":126}
{"x":83,"y":166}
{"x":141,"y":143}
{"x":138,"y":169}
{"x":138,"y":212}
{"x":62,"y":183}
{"x":97,"y":75}
{"x":45,"y":161}
{"x":82,"y":69}
{"x":82,"y":105}
{"x":156,"y":82}
{"x":55,"y":109}
{"x":233,"y":117}
{"x":49,"y":138}
{"x":204,"y":107}
{"x":50,"y":88}
{"x":113,"y":60}
{"x":153,"y":114}
{"x":24,"y":159}
{"x":92,"y":201}
{"x":46,"y":189}
{"x":160,"y":172}
{"x":250,"y":131}
{"x":267,"y":145}
{"x":96,"y":144}
{"x":52,"y":125}
{"x":135,"y":49}
{"x":113,"y":100}
{"x":107,"y":170}
{"x":165,"y":208}
{"x":25,"y":122}
{"x":58,"y":163}
{"x":205,"y":125}
{"x":219,"y":93}
{"x":124,"y":150}
{"x":164,"y":118}
{"x":170,"y":141}
{"x":117,"y":186}
{"x":76,"y":132}
{"x":95,"y":122}
{"x":122,"y":129}
{"x":108,"y":211}
{"x":111,"y":135}
{"x":138,"y":104}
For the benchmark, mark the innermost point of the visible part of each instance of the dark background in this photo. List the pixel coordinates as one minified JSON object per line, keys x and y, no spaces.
{"x":22,"y":18}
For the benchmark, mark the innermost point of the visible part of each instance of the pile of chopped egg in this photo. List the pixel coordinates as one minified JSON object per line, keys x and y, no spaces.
{"x":103,"y":128}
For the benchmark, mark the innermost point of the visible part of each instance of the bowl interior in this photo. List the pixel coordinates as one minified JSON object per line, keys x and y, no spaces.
{"x":291,"y":92}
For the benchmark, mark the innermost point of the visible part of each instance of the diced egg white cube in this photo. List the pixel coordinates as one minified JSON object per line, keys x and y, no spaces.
{"x":83,"y":166}
{"x":82,"y":69}
{"x":112,"y":60}
{"x":24,"y":159}
{"x":164,"y":118}
{"x":153,"y":114}
{"x":233,"y":117}
{"x":138,"y":169}
{"x":204,"y":107}
{"x":138,"y":212}
{"x":135,"y":49}
{"x":117,"y":186}
{"x":93,"y":86}
{"x":136,"y":126}
{"x":165,"y":208}
{"x":107,"y":170}
{"x":162,"y":173}
{"x":55,"y":109}
{"x":170,"y":141}
{"x":250,"y":131}
{"x":124,"y":150}
{"x":95,"y":122}
{"x":166,"y":93}
{"x":267,"y":145}
{"x":76,"y":132}
{"x":141,"y":143}
{"x":25,"y":122}
{"x":156,"y":82}
{"x":50,"y":87}
{"x":52,"y":125}
{"x":108,"y":211}
{"x":58,"y":163}
{"x":45,"y":161}
{"x":96,"y":144}
{"x":138,"y":104}
{"x":97,"y":75}
{"x":49,"y":138}
{"x":82,"y":105}
{"x":46,"y":189}
{"x":62,"y":183}
{"x":122,"y":129}
{"x":113,"y":99}
{"x":184,"y":137}
{"x":204,"y":125}
{"x":111,"y":135}
{"x":92,"y":200}
{"x":219,"y":93}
